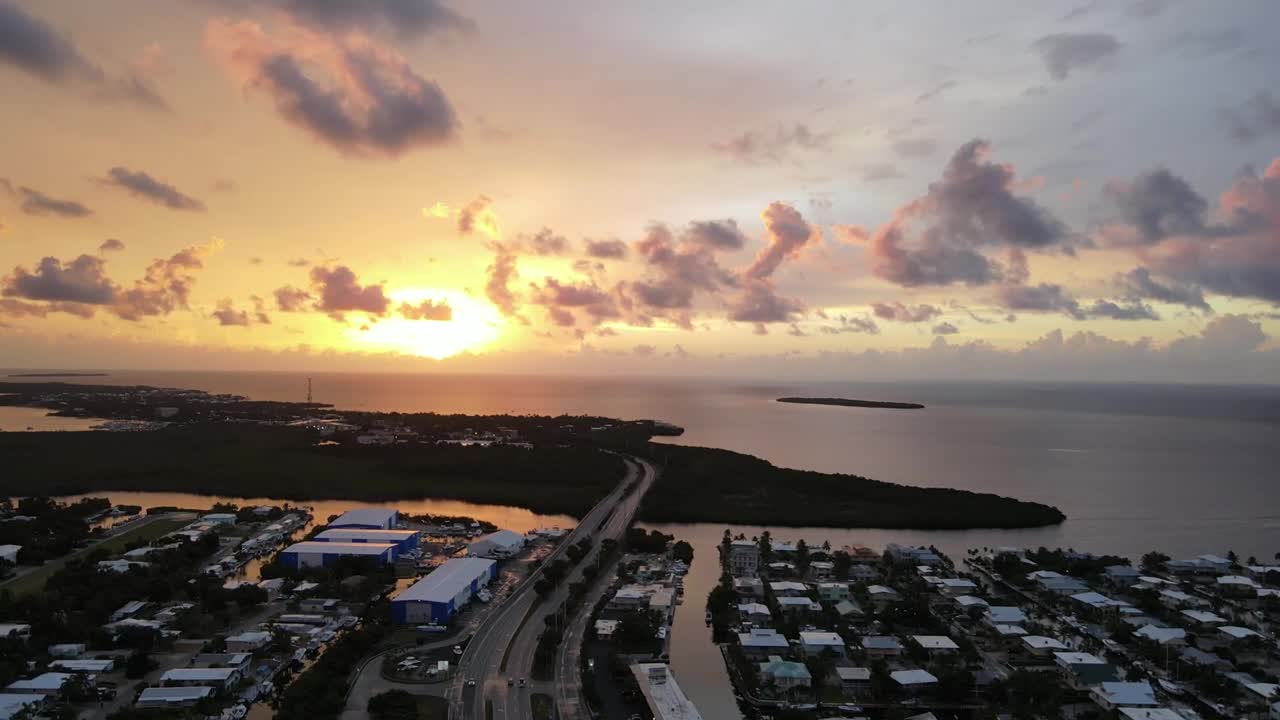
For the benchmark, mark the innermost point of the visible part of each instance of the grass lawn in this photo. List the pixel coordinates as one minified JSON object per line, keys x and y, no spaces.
{"x":543,"y":707}
{"x":34,"y":581}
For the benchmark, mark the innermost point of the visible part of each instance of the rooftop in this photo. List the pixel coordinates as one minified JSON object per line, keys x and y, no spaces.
{"x":446,"y":581}
{"x":174,"y":694}
{"x":377,"y":517}
{"x":913,"y":677}
{"x":339,"y":548}
{"x":1040,"y":642}
{"x":935,"y":642}
{"x":665,"y":698}
{"x":1127,"y":693}
{"x":220,"y":675}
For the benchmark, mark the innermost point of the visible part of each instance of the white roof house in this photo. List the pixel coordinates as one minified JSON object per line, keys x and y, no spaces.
{"x":1043,"y":643}
{"x":816,"y":642}
{"x":968,"y":601}
{"x":1124,"y":694}
{"x":84,"y":665}
{"x":1162,"y":635}
{"x":935,"y":643}
{"x":1140,"y":713}
{"x":1006,"y":615}
{"x":1098,"y":601}
{"x":13,"y":703}
{"x":367,"y":518}
{"x":881,"y":642}
{"x":1067,"y":659}
{"x":1010,"y":630}
{"x":913,"y":678}
{"x":248,"y":641}
{"x":45,"y":684}
{"x":762,"y":639}
{"x":799,"y":603}
{"x":957,"y":584}
{"x":749,"y":609}
{"x":787,"y":587}
{"x":1203,"y":617}
{"x":9,"y":553}
{"x":1238,"y":633}
{"x":665,"y":698}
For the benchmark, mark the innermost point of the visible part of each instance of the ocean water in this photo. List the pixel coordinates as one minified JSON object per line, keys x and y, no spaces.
{"x":1182,"y":469}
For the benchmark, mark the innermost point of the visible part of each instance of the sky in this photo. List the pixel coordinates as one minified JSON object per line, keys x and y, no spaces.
{"x":996,"y":190}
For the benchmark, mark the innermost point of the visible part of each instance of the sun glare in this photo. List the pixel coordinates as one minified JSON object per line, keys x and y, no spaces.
{"x":473,"y":326}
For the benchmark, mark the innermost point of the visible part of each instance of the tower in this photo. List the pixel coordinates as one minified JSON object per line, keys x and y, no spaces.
{"x":308,"y":390}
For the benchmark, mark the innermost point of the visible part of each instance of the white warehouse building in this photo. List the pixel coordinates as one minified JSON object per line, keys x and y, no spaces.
{"x":323,"y":554}
{"x":435,"y":598}
{"x":500,"y":544}
{"x":368,"y":518}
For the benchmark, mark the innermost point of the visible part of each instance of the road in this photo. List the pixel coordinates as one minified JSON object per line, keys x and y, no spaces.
{"x":482,"y":661}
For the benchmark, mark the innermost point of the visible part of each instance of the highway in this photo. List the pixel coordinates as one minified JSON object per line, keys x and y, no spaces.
{"x":507,"y":628}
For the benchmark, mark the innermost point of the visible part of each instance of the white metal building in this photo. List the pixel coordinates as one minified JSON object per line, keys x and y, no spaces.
{"x":323,"y":554}
{"x":435,"y":598}
{"x":503,"y":543}
{"x":370,"y":518}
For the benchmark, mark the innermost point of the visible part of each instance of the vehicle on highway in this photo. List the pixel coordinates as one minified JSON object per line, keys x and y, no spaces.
{"x":510,"y":682}
{"x":471,"y":683}
{"x":521,"y":682}
{"x":432,"y":628}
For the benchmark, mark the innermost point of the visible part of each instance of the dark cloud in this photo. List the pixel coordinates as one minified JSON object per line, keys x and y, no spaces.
{"x":970,"y":211}
{"x":1240,"y":259}
{"x":1137,"y":285}
{"x":34,"y":202}
{"x":899,"y":312}
{"x":439,"y":311}
{"x":1157,"y":205}
{"x":260,"y":310}
{"x":945,"y":328}
{"x":228,"y":316}
{"x":611,"y":249}
{"x":847,"y":324}
{"x":1063,"y":53}
{"x":477,"y":215}
{"x":357,"y":97}
{"x":678,"y":268}
{"x":1045,"y":297}
{"x":562,"y":300}
{"x":339,"y":291}
{"x":1256,"y":118}
{"x":543,"y":242}
{"x":31,"y":45}
{"x":761,"y":147}
{"x":881,"y":171}
{"x":786,"y":234}
{"x":111,"y":245}
{"x":1115,"y":311}
{"x":760,"y":303}
{"x":140,"y":184}
{"x":292,"y":299}
{"x":82,"y":280}
{"x":715,"y":234}
{"x":406,"y":18}
{"x":11,"y":307}
{"x":166,"y":285}
{"x":915,"y":147}
{"x":500,"y":274}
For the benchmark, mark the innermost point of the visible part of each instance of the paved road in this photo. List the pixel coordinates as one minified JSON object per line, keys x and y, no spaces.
{"x":482,"y":661}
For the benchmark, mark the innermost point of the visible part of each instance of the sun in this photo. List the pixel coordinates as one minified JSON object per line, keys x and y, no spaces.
{"x":474,"y":325}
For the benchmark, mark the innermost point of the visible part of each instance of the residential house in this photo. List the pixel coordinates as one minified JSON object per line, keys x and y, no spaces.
{"x":956,"y":586}
{"x":797,"y":605}
{"x":1042,"y":646}
{"x":1178,"y":600}
{"x":863,"y":573}
{"x":936,"y":645}
{"x":833,"y":591}
{"x":215,"y":677}
{"x":172,"y":697}
{"x":784,"y":675}
{"x":1083,"y":671}
{"x":914,"y":681}
{"x":1162,"y":635}
{"x":816,"y":643}
{"x":854,"y":680}
{"x":248,"y":641}
{"x":845,"y":608}
{"x":751,"y":587}
{"x":744,"y":558}
{"x":755,"y":613}
{"x":1203,"y":619}
{"x":882,"y":596}
{"x":967,"y":602}
{"x":1237,"y":586}
{"x":762,"y":642}
{"x":1005,"y":615}
{"x":821,"y":570}
{"x":1121,"y":576}
{"x":1115,"y":695}
{"x":46,"y":684}
{"x":881,"y":646}
{"x":787,"y":588}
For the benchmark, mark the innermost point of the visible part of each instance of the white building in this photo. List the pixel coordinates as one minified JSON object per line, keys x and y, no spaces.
{"x":172,"y":697}
{"x":92,"y":667}
{"x":1162,"y":635}
{"x":1041,"y":645}
{"x":936,"y":644}
{"x":744,"y":558}
{"x":371,"y":518}
{"x":784,"y":675}
{"x":248,"y":641}
{"x":218,"y":677}
{"x":9,"y":553}
{"x":661,"y":692}
{"x":816,"y":643}
{"x":219,"y":518}
{"x":438,"y":596}
{"x":1112,"y":695}
{"x":49,"y":683}
{"x":762,"y":642}
{"x":914,"y":680}
{"x":500,"y":544}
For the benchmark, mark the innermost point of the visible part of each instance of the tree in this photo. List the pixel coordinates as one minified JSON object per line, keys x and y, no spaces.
{"x":393,"y":705}
{"x":682,"y":551}
{"x":138,"y":664}
{"x":1154,"y":560}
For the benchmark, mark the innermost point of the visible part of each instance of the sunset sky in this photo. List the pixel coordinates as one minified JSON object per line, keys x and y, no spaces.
{"x":828,"y":189}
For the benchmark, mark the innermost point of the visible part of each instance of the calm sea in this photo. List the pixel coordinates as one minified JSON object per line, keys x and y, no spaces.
{"x":1183,"y":469}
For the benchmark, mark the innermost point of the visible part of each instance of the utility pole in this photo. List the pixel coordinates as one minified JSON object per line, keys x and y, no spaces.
{"x":308,"y":390}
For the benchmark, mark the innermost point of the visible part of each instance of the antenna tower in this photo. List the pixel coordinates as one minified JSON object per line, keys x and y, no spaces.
{"x":308,"y":390}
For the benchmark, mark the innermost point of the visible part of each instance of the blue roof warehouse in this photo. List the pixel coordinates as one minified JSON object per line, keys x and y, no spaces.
{"x":435,"y":598}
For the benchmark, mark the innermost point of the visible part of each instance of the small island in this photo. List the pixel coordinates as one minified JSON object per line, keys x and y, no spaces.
{"x":849,"y":402}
